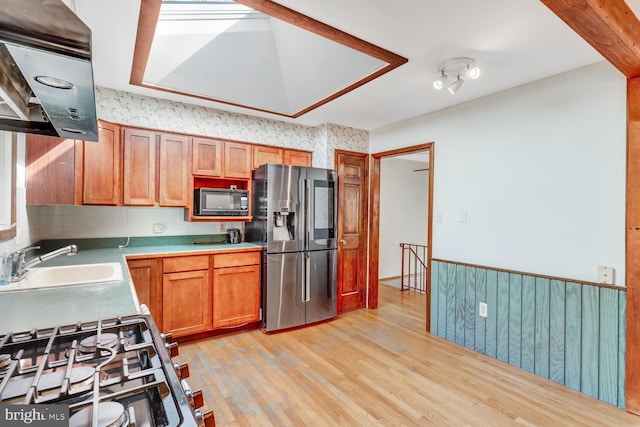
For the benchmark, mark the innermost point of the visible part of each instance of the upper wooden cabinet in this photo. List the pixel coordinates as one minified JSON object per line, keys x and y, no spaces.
{"x":207,"y":157}
{"x":173,"y":180}
{"x":101,"y":168}
{"x":66,"y":171}
{"x":263,"y":155}
{"x":139,"y":187}
{"x":297,"y":158}
{"x":237,"y":160}
{"x":156,"y":168}
{"x":50,"y":170}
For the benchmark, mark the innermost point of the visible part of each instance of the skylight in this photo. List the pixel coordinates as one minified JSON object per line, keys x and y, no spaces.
{"x":229,"y":52}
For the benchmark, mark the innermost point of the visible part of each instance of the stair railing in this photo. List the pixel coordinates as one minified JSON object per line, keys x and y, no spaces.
{"x":414,"y":267}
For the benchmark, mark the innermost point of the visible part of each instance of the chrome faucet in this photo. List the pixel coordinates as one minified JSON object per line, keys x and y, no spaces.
{"x":21,"y":267}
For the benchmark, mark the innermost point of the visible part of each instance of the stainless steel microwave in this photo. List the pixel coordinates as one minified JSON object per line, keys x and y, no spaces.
{"x":220,"y":202}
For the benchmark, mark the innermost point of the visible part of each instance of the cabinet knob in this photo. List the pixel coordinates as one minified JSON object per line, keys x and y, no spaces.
{"x":343,"y":242}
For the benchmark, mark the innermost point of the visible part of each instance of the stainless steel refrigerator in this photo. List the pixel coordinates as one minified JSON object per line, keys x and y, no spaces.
{"x":294,"y":219}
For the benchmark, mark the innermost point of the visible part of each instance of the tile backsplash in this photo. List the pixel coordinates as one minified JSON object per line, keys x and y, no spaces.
{"x":57,"y":222}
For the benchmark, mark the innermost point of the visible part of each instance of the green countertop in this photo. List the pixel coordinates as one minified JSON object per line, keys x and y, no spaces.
{"x":22,"y":310}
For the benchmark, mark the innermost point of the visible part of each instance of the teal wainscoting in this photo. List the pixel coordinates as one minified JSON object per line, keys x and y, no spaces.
{"x":569,"y":332}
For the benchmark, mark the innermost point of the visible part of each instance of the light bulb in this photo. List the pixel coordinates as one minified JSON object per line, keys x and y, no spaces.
{"x":474,"y":72}
{"x":440,"y":81}
{"x":455,"y":86}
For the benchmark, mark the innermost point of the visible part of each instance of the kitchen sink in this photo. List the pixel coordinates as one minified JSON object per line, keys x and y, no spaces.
{"x":81,"y":274}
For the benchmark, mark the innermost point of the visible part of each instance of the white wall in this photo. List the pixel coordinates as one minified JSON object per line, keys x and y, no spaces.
{"x":404,"y":198}
{"x":540,"y":169}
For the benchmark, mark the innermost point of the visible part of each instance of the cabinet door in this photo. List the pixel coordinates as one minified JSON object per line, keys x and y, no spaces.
{"x":175,"y":152}
{"x":263,"y":155}
{"x":146,"y":277}
{"x":186,"y":302}
{"x":207,"y":157}
{"x":236,"y":295}
{"x":50,"y":170}
{"x":237,"y":160}
{"x":297,"y":158}
{"x":139,"y":167}
{"x":101,"y":167}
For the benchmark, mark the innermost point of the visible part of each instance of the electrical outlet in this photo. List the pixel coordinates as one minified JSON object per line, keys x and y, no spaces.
{"x":222,"y":227}
{"x":158,"y":228}
{"x":439,"y":216}
{"x":605,"y":274}
{"x":482,"y":309}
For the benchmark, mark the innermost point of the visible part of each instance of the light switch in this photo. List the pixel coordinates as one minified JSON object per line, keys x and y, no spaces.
{"x":605,"y":274}
{"x":439,"y":216}
{"x":463,"y":216}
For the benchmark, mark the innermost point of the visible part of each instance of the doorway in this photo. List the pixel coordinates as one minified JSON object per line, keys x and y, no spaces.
{"x":374,"y":230}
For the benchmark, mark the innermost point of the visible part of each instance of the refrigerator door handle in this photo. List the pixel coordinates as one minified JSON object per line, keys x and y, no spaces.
{"x":307,"y":277}
{"x":309,"y":211}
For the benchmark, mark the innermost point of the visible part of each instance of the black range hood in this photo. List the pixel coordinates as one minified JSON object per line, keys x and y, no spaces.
{"x":46,"y":76}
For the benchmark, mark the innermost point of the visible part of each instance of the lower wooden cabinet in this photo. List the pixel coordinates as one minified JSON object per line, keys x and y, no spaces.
{"x":236,"y":295}
{"x":186,"y":302}
{"x":146,"y":277}
{"x":194,"y":294}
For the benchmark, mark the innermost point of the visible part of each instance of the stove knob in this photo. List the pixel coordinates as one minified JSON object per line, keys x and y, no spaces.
{"x":168,"y":337}
{"x":182,"y":369}
{"x":205,"y":419}
{"x":172,"y":348}
{"x":188,"y":392}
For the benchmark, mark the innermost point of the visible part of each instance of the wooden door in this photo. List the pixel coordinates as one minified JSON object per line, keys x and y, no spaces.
{"x":139,"y":167}
{"x":102,"y":180}
{"x":297,"y":158}
{"x":237,"y":160}
{"x":352,"y":229}
{"x":207,"y":157}
{"x":263,"y":155}
{"x":175,"y":152}
{"x":146,"y":278}
{"x":186,"y":302}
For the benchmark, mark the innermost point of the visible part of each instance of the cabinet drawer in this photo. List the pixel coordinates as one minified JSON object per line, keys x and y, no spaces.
{"x":185,"y":263}
{"x":236,"y":259}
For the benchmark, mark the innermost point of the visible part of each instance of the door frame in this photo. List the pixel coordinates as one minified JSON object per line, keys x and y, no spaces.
{"x":374,"y":224}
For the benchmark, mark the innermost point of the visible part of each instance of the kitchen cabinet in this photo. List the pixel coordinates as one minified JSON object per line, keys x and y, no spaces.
{"x":67,"y":171}
{"x":101,"y":167}
{"x":263,"y":155}
{"x":155,"y":173}
{"x":147,"y":281}
{"x":139,"y":167}
{"x":207,"y":157}
{"x":237,"y":160}
{"x":297,"y":158}
{"x":173,"y":180}
{"x":236,"y":289}
{"x":50,"y":170}
{"x":186,"y":295}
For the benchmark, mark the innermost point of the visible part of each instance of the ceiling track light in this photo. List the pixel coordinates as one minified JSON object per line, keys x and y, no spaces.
{"x":460,"y":67}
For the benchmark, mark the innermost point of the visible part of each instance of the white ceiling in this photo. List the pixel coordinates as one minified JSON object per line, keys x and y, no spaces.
{"x":513,"y":42}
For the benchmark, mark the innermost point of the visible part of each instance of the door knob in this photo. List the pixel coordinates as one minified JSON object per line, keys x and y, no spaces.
{"x":343,"y":242}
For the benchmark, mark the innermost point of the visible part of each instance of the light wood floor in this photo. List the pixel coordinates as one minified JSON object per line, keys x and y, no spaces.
{"x":377,"y":367}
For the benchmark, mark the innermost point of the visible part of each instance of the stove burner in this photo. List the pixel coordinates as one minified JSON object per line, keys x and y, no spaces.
{"x":108,"y":340}
{"x":82,"y":375}
{"x":5,"y":360}
{"x":110,"y":414}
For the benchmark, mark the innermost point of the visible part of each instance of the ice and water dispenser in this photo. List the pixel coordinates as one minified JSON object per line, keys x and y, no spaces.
{"x":284,"y":224}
